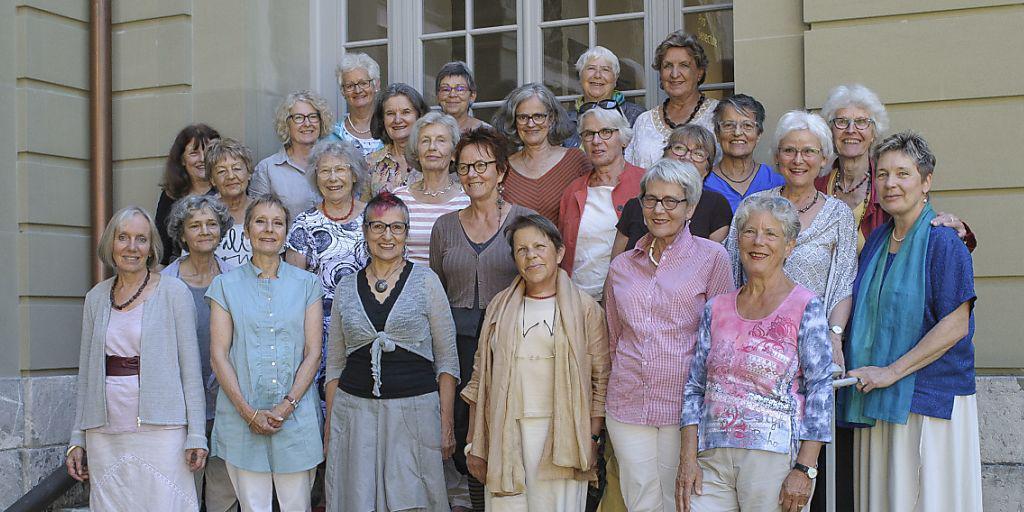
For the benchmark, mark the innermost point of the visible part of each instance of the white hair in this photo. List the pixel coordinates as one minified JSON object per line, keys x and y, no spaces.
{"x":611,"y":119}
{"x":597,"y":52}
{"x":431,"y":118}
{"x":795,"y":120}
{"x":856,"y":95}
{"x":778,"y":207}
{"x":354,"y":61}
{"x":676,"y":172}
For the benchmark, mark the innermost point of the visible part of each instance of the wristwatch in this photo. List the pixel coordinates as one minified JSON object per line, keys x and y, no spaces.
{"x":293,"y":402}
{"x":836,"y":330}
{"x":811,"y":472}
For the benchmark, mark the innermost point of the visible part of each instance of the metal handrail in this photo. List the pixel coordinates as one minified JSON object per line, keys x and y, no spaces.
{"x":47,"y":491}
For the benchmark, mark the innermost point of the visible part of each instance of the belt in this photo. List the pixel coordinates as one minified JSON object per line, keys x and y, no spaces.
{"x":118,"y":366}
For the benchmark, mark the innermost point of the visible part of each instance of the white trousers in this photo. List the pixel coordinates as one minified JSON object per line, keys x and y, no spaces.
{"x":541,"y":495}
{"x":648,"y":460}
{"x":741,"y":480}
{"x":214,"y":486}
{"x":255,"y":490}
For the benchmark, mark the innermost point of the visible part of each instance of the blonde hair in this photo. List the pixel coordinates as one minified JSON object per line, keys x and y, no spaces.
{"x":105,"y":249}
{"x":284,"y":110}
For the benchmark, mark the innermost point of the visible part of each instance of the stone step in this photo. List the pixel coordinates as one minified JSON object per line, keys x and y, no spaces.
{"x":74,"y":509}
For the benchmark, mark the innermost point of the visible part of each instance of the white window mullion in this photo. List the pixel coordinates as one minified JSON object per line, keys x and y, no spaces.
{"x":531,"y":58}
{"x":470,"y":53}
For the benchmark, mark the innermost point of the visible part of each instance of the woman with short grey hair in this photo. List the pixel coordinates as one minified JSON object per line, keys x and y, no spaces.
{"x":598,"y":70}
{"x":456,"y":91}
{"x":359,"y":80}
{"x":535,"y":122}
{"x":738,"y":124}
{"x":229,"y":167}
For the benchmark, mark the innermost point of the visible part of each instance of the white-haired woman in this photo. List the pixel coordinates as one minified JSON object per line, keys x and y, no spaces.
{"x":456,"y":92}
{"x":229,"y":166}
{"x":592,"y":204}
{"x":598,"y":69}
{"x":302,"y":118}
{"x":431,"y":149}
{"x":533,"y":120}
{"x":359,"y":80}
{"x":140,"y":410}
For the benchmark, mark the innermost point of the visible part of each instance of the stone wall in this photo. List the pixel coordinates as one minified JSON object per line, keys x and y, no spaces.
{"x":1001,"y":421}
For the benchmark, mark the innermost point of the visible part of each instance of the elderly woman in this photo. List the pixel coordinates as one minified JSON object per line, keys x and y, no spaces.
{"x":536,"y":398}
{"x":184,"y":175}
{"x":302,"y":118}
{"x":265,"y":335}
{"x":456,"y":92}
{"x":712,"y":215}
{"x":391,"y":375}
{"x":359,"y":80}
{"x":143,"y":434}
{"x":824,"y":259}
{"x":758,"y":403}
{"x":739,"y":122}
{"x":533,"y":120}
{"x":592,"y":203}
{"x":598,"y":69}
{"x":473,"y":262}
{"x":912,"y":349}
{"x":229,"y":167}
{"x":395,"y":111}
{"x":437,"y":191}
{"x":681,"y":64}
{"x":653,"y":298}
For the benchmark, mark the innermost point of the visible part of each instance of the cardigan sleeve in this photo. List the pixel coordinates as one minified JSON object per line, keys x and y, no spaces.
{"x":442,"y":327}
{"x":438,"y":242}
{"x":184,"y":318}
{"x":693,"y":392}
{"x":844,"y":259}
{"x":815,"y":352}
{"x":600,"y":364}
{"x":88,"y":325}
{"x":336,"y":343}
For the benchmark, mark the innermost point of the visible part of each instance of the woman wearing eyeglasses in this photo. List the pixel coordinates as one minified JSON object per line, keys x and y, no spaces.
{"x":456,"y":92}
{"x":301,"y":119}
{"x":359,"y":80}
{"x":592,"y":204}
{"x":598,"y":68}
{"x":392,"y":369}
{"x":739,"y":122}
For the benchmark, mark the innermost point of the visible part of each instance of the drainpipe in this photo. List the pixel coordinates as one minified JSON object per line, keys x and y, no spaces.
{"x":101,"y":155}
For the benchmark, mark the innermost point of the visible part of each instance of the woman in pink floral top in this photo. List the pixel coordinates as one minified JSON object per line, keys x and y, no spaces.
{"x":757,"y":407}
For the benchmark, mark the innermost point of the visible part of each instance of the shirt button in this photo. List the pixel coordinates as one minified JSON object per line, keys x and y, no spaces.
{"x":273,"y":381}
{"x":643,"y":363}
{"x":271,"y":329}
{"x":271,"y":314}
{"x":273,"y":363}
{"x":271,"y":347}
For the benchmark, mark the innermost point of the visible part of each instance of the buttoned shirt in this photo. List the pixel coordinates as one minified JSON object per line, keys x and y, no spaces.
{"x":653,"y":315}
{"x":287,"y":178}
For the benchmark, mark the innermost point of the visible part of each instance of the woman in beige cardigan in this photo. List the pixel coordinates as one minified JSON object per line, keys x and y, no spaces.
{"x":537,"y":393}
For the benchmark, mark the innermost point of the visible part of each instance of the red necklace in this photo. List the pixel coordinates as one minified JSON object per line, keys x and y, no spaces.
{"x":351,"y":205}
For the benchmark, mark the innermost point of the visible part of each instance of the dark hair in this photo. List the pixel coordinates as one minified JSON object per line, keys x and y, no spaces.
{"x":486,"y":138}
{"x":176,"y":181}
{"x":267,"y":199}
{"x":381,"y":203}
{"x":680,"y":39}
{"x":395,"y":89}
{"x":534,"y":220}
{"x":455,"y":68}
{"x":743,"y":104}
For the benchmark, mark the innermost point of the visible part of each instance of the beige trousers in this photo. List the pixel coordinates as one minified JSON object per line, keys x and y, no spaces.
{"x":256,"y":490}
{"x":739,"y":479}
{"x":648,"y":460}
{"x":541,"y":495}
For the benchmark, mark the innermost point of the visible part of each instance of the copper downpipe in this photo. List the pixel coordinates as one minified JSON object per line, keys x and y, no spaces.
{"x":101,"y":188}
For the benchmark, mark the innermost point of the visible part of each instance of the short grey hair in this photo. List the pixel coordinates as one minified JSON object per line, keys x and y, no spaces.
{"x":105,"y":249}
{"x":796,"y":120}
{"x":780,"y":209}
{"x":183,"y":209}
{"x":558,"y":121}
{"x":745,"y":105}
{"x":597,"y":52}
{"x":856,"y":95}
{"x":267,"y":199}
{"x":412,"y":148}
{"x":914,"y":146}
{"x":696,"y":133}
{"x":684,"y":174}
{"x":611,"y":119}
{"x":346,"y":151}
{"x":284,"y":110}
{"x":356,"y":61}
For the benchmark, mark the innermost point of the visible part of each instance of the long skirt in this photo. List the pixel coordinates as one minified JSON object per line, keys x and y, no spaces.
{"x":928,"y":465}
{"x":135,"y":471}
{"x":385,"y":455}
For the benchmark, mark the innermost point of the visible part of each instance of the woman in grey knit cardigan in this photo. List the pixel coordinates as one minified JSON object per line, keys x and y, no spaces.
{"x":141,"y":411}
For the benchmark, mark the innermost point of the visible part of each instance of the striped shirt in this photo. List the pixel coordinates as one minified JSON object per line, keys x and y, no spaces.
{"x":543,"y":194}
{"x":421,"y":221}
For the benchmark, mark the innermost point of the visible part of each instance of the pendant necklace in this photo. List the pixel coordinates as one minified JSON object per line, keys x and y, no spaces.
{"x":381,"y":285}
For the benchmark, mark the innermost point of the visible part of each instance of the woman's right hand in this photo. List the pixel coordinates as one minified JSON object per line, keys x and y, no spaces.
{"x":689,"y":481}
{"x":76,"y":465}
{"x":477,"y":467}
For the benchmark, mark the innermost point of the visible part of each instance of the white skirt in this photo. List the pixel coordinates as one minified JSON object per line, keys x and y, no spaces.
{"x":928,"y":465}
{"x":136,"y":471}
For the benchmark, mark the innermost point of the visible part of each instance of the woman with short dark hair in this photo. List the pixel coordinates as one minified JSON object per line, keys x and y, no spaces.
{"x":456,"y":92}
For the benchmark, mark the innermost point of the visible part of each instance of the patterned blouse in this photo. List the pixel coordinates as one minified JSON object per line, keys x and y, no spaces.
{"x":761,"y":384}
{"x":386,"y":173}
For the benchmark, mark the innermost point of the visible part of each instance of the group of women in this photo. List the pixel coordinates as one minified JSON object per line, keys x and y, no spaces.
{"x":446,"y":314}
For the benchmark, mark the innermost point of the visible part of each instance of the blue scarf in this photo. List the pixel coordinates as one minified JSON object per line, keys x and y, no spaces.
{"x":887,"y":322}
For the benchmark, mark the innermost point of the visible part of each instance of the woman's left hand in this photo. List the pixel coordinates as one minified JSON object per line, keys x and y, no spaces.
{"x":195,"y":458}
{"x":594,"y":447}
{"x":447,"y":439}
{"x":873,"y":377}
{"x":796,"y":491}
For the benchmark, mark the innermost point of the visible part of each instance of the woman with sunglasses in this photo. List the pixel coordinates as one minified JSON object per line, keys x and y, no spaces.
{"x":739,"y":122}
{"x":599,"y":72}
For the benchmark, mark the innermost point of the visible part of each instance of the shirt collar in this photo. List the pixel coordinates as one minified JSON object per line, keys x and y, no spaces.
{"x":682,"y":240}
{"x":282,"y":158}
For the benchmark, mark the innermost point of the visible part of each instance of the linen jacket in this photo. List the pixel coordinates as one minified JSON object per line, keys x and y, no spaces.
{"x":170,"y":375}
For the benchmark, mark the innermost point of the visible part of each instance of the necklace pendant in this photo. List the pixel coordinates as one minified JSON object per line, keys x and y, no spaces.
{"x":381,"y":286}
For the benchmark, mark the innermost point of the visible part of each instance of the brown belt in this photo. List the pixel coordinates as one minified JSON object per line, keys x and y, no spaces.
{"x":118,"y":366}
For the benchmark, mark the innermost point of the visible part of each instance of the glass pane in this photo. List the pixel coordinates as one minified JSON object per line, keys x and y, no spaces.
{"x":719,"y":94}
{"x":700,"y":3}
{"x":714,"y":30}
{"x":564,"y":9}
{"x":380,"y":55}
{"x":562,"y":46}
{"x":493,"y":13}
{"x":626,"y":40}
{"x":436,"y":54}
{"x":619,"y":6}
{"x":485,"y":114}
{"x":443,"y":15}
{"x":367,"y":19}
{"x":496,"y":67}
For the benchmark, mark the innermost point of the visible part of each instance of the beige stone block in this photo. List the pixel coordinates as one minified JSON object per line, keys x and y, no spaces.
{"x":53,"y":122}
{"x":123,"y":12}
{"x":70,"y":9}
{"x":10,"y":365}
{"x":1000,"y":417}
{"x":767,"y":18}
{"x":152,"y":54}
{"x":1001,"y":487}
{"x":829,"y":10}
{"x":55,"y":262}
{"x":961,"y":56}
{"x":769,"y":69}
{"x":987,"y":212}
{"x":53,"y":193}
{"x":145,"y":124}
{"x":53,"y":49}
{"x":52,"y":333}
{"x":138,"y":184}
{"x":997,"y":334}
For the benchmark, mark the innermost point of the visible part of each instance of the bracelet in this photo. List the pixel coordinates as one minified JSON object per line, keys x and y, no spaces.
{"x":467,"y":449}
{"x":254,"y":413}
{"x":293,"y":402}
{"x":71,"y":449}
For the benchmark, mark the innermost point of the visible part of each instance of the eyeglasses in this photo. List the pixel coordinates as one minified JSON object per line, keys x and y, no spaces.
{"x":538,"y":118}
{"x":480,"y":166}
{"x":313,"y":118}
{"x":860,"y":123}
{"x":361,"y":84}
{"x":744,"y":126}
{"x":605,"y":104}
{"x":789,"y":152}
{"x":696,"y":155}
{"x":378,"y":228}
{"x":668,"y":202}
{"x":458,"y":90}
{"x":328,"y":172}
{"x":604,"y":133}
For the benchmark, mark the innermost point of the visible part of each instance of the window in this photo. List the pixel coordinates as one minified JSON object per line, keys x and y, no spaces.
{"x":366,"y":31}
{"x":711,"y":23}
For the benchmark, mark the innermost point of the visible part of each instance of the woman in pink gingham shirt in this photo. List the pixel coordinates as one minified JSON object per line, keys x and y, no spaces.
{"x":654,"y":296}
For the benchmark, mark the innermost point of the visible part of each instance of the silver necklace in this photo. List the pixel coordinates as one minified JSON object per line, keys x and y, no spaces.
{"x":437,"y":193}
